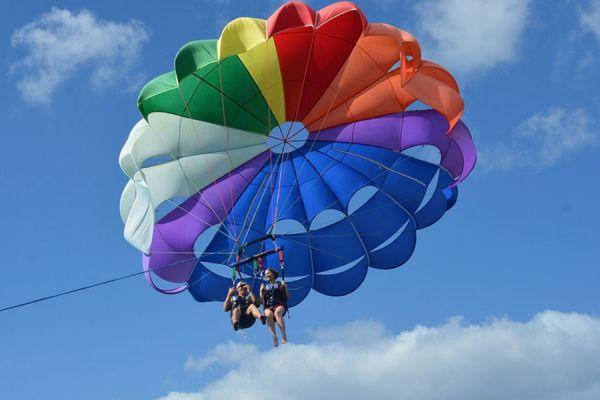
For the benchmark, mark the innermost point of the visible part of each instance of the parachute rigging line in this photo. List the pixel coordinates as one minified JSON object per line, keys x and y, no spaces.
{"x":82,"y":288}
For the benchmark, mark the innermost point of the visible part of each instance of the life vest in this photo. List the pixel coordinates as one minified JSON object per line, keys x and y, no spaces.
{"x":274,"y":294}
{"x":241,"y":301}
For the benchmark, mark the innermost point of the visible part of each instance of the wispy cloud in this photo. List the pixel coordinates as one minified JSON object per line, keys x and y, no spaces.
{"x":551,"y":357}
{"x":469,"y":37}
{"x":60,"y":43}
{"x":576,"y":55}
{"x":589,"y":18}
{"x":542,"y":140}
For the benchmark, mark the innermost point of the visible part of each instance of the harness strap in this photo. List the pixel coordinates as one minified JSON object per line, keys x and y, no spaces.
{"x":281,"y":264}
{"x":254,"y":272}
{"x":259,"y":262}
{"x":233,"y":267}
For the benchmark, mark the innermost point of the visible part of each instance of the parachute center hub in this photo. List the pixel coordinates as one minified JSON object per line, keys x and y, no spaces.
{"x":287,"y":137}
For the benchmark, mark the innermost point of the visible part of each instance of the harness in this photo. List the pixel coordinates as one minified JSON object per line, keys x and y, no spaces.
{"x":274,"y":295}
{"x":256,"y":260}
{"x":242,"y":302}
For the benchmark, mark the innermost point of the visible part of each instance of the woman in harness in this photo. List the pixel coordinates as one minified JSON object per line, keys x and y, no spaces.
{"x":242,"y":307}
{"x":274,"y":296}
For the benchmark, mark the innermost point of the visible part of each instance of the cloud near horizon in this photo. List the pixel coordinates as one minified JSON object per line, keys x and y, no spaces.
{"x":470,"y":37}
{"x":60,"y":43}
{"x":551,"y":357}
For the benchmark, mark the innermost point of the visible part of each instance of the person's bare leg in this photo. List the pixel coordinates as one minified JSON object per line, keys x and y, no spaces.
{"x":271,"y":325}
{"x":252,"y":310}
{"x":281,"y":323}
{"x":235,"y":317}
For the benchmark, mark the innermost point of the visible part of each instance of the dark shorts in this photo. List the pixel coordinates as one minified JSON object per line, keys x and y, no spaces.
{"x":246,"y":321}
{"x":276,"y":306}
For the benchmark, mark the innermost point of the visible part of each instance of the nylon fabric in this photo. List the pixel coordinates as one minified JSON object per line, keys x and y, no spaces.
{"x":294,"y":126}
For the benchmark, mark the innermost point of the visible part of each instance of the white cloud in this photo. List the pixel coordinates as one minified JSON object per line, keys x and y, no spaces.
{"x":471,"y":36}
{"x":542,"y":140}
{"x":554,"y":356}
{"x":61,"y":42}
{"x":589,"y":19}
{"x":224,"y":354}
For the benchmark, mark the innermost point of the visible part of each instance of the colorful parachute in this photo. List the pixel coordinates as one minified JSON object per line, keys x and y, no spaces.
{"x":295,"y":127}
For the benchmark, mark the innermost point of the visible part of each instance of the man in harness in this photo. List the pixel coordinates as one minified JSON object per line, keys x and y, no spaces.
{"x":274,"y":295}
{"x":242,"y":307}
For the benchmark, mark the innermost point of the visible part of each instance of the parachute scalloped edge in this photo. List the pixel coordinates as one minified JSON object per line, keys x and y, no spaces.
{"x":215,"y":130}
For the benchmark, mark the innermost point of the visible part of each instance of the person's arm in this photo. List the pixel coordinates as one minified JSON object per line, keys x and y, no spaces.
{"x":227,"y":302}
{"x":262,"y":293}
{"x":254,"y":300}
{"x":287,"y":292}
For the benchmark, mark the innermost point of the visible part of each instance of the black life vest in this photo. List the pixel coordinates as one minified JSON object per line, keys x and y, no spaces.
{"x":241,"y":301}
{"x":274,"y":294}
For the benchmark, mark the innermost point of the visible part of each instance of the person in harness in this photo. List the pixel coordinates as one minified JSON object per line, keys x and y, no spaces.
{"x":274,"y":295}
{"x":242,"y":306}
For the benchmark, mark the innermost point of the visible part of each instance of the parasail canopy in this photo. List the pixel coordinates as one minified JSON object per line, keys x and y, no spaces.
{"x":295,"y":127}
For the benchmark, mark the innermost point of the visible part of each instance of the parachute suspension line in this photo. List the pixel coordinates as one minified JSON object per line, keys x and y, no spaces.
{"x":311,"y":247}
{"x":312,"y":43}
{"x":380,"y":165}
{"x":393,"y":199}
{"x":316,"y":134}
{"x":312,"y":144}
{"x":280,"y":176}
{"x":228,"y":233}
{"x":208,"y":165}
{"x":232,"y":210}
{"x":350,"y":97}
{"x":371,"y":179}
{"x":405,"y":200}
{"x":264,"y":189}
{"x":384,"y":170}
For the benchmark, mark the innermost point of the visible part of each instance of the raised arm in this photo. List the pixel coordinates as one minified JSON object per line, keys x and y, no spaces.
{"x":227,"y":302}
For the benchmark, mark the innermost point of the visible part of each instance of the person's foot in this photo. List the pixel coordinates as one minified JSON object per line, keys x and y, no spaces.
{"x":275,"y":341}
{"x":263,"y":319}
{"x":284,"y":340}
{"x":236,"y":326}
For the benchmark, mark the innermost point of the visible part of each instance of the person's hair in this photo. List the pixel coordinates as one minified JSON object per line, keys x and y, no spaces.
{"x":273,"y":271}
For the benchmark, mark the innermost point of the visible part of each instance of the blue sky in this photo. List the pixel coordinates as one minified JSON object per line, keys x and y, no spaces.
{"x":511,"y":269}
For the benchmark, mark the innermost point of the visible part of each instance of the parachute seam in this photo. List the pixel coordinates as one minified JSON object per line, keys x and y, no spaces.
{"x":378,"y":188}
{"x":241,"y":106}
